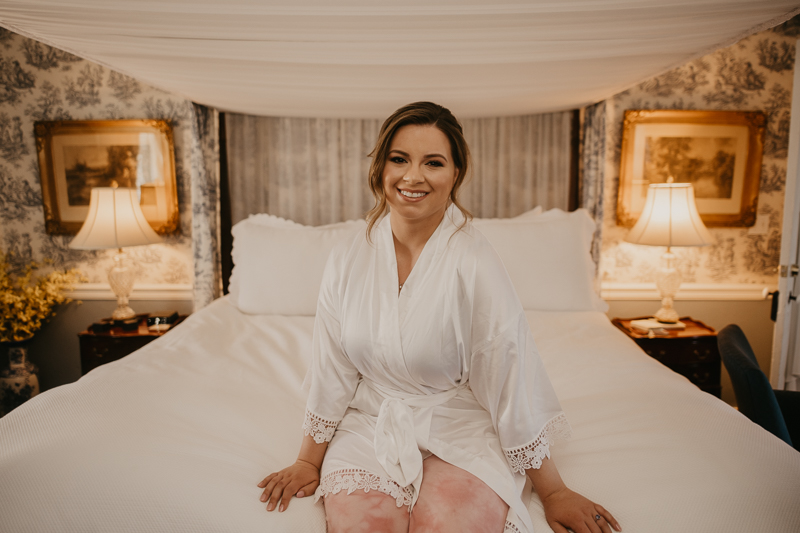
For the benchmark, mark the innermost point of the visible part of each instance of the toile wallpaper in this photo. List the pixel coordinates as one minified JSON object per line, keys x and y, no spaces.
{"x":754,"y":74}
{"x":38,"y":82}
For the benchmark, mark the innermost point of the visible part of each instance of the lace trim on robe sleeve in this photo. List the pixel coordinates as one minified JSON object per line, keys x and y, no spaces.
{"x":531,"y":455}
{"x":321,"y":429}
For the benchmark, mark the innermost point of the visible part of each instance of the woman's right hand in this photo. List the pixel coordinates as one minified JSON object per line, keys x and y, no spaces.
{"x":301,"y":479}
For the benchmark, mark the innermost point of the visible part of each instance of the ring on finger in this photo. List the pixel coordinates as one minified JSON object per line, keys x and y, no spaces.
{"x":596,"y":517}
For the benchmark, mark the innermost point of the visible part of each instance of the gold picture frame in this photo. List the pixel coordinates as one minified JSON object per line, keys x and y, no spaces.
{"x":77,"y":155}
{"x":719,"y":152}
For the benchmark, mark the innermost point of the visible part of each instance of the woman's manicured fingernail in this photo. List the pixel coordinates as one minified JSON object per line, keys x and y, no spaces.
{"x":280,"y":509}
{"x":263,"y":498}
{"x":301,"y":494}
{"x":269,"y":507}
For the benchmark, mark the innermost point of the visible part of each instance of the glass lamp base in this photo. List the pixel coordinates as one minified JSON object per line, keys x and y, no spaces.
{"x":668,"y":283}
{"x":123,"y":312}
{"x":121,"y":278}
{"x":667,"y":313}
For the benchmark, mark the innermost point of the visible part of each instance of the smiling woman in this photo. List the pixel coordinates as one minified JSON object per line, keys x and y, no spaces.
{"x":420,"y":145}
{"x":417,"y":181}
{"x":418,"y":167}
{"x":428,"y":403}
{"x":419,"y":175}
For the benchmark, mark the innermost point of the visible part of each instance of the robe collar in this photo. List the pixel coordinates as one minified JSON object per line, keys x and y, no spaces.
{"x":452,"y":220}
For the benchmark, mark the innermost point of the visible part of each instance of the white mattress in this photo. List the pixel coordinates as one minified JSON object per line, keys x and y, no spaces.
{"x":175,"y":437}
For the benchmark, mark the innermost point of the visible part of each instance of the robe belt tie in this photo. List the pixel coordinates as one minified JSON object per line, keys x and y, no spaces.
{"x":403,"y":427}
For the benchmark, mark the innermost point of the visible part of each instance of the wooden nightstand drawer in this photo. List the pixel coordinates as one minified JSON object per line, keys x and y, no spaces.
{"x":701,"y":374}
{"x":691,"y":352}
{"x":681,"y":351}
{"x":96,"y":350}
{"x":101,"y":348}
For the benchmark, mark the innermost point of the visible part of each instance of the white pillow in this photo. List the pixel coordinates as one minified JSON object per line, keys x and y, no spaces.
{"x":278,"y":264}
{"x":548,"y":259}
{"x":264,"y":219}
{"x":554,"y":213}
{"x":527,"y":215}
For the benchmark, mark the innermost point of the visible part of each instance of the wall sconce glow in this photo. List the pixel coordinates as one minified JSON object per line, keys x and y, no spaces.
{"x":669,"y":218}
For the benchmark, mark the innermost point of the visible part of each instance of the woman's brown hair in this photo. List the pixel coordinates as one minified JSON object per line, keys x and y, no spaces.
{"x":419,"y":114}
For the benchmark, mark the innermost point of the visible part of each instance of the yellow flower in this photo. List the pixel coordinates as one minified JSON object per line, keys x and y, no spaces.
{"x":27,"y":301}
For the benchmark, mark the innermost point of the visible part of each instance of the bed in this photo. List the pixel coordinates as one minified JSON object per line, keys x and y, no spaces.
{"x":175,"y":436}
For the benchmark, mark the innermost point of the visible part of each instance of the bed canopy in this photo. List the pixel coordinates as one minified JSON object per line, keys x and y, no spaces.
{"x":361,"y":58}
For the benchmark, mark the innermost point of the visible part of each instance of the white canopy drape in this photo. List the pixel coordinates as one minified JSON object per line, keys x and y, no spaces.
{"x":364,"y":59}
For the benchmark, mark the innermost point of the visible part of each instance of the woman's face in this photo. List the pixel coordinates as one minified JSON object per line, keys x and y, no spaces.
{"x":419,"y":173}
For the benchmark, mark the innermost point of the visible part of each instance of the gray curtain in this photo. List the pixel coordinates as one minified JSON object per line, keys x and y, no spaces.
{"x":591,"y":170}
{"x":518,"y":163}
{"x":205,"y":206}
{"x":311,"y":171}
{"x":314,"y":171}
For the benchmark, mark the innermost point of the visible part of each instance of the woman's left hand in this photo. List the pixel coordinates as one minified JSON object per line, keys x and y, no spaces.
{"x":566,"y":509}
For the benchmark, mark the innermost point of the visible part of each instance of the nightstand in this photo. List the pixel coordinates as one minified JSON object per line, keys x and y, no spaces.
{"x":101,"y":348}
{"x":691,"y":352}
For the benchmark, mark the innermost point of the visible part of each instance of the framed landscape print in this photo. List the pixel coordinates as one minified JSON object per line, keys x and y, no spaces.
{"x":75,"y":156}
{"x":718,"y":152}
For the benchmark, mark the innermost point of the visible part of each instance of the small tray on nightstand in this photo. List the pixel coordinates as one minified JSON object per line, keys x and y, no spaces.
{"x":691,"y":352}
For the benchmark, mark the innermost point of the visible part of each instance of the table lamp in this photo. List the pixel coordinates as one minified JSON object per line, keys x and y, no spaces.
{"x":115,"y":220}
{"x":669,"y":218}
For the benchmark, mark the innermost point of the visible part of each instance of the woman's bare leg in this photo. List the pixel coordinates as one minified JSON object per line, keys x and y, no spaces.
{"x":452,"y":500}
{"x":364,"y":512}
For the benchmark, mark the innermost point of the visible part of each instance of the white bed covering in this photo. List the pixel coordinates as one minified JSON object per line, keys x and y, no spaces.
{"x":175,"y":436}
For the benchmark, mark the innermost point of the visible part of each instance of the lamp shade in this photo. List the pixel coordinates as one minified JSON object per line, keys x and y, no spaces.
{"x":115,"y":220}
{"x":670,"y":218}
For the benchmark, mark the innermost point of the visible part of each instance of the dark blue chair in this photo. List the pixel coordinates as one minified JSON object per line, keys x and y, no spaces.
{"x":776,"y":411}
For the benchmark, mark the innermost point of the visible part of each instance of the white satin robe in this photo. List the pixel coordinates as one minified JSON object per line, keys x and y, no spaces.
{"x":447,"y":367}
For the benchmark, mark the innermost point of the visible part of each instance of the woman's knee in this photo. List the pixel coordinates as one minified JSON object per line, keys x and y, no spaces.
{"x":364,"y":512}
